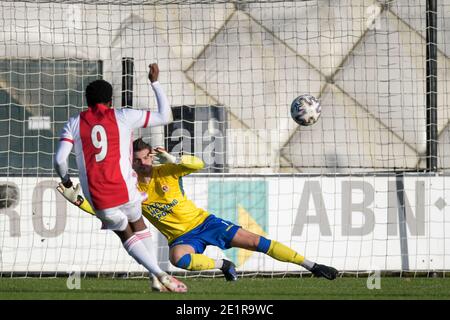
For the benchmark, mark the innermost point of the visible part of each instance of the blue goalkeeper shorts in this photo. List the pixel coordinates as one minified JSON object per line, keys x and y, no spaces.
{"x":212,"y":232}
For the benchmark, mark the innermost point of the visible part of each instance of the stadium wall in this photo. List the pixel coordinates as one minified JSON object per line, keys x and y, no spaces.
{"x":350,"y":222}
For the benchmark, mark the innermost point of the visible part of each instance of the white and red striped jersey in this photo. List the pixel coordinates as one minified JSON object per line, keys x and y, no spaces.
{"x":102,"y":138}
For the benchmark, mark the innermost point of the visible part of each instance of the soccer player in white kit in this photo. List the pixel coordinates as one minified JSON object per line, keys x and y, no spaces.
{"x":102,"y":137}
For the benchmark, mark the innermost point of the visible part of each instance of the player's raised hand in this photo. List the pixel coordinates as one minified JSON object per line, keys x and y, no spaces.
{"x":72,"y":194}
{"x":162,"y":156}
{"x":153,"y":73}
{"x":159,"y":149}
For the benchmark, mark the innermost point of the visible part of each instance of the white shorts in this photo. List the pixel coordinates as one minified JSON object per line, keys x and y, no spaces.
{"x":117,"y":218}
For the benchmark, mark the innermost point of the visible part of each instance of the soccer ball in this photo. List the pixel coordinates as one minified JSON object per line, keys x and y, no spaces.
{"x":305,"y":110}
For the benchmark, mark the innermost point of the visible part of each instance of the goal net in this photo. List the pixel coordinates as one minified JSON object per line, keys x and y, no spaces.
{"x":355,"y":190}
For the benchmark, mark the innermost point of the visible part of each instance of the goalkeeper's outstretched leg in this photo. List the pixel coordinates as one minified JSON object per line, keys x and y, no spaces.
{"x":247,"y":240}
{"x":189,"y":255}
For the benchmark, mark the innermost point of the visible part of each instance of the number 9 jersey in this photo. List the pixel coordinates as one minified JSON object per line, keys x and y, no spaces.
{"x":102,"y":140}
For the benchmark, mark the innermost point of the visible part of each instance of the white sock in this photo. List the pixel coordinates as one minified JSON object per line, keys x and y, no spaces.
{"x":218,"y":264}
{"x":146,"y":237}
{"x":308,"y":265}
{"x":138,"y":250}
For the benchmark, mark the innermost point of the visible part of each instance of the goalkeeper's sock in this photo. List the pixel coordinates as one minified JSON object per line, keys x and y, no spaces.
{"x":197,"y":262}
{"x":138,"y":250}
{"x":218,"y":264}
{"x":283,"y":253}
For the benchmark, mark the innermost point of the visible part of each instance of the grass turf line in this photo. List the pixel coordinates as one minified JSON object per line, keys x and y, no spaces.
{"x":212,"y":289}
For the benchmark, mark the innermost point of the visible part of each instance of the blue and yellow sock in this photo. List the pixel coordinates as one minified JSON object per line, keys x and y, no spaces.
{"x":196,"y":262}
{"x":279,"y":251}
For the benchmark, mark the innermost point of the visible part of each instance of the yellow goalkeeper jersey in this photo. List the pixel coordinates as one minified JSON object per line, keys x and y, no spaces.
{"x":167,"y":206}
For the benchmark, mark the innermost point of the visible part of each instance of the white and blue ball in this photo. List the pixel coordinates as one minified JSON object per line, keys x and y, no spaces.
{"x":305,"y":110}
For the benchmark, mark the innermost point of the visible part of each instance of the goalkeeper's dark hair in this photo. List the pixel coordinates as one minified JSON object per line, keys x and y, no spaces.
{"x":98,"y":91}
{"x":140,"y":144}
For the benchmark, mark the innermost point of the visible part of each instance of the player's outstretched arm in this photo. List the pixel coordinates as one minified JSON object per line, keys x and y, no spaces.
{"x":164,"y":114}
{"x":190,"y":162}
{"x":60,"y":162}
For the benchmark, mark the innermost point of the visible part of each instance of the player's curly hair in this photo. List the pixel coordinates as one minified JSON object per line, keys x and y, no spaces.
{"x":98,"y":91}
{"x":140,"y":144}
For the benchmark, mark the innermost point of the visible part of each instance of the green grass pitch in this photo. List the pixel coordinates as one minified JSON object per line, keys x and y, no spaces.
{"x":245,"y":288}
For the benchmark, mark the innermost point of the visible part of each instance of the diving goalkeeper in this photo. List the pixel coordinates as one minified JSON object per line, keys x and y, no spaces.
{"x":189,"y":229}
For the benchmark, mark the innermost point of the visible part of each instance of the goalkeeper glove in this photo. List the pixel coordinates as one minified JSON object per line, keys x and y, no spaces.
{"x":72,"y":194}
{"x":163,"y":157}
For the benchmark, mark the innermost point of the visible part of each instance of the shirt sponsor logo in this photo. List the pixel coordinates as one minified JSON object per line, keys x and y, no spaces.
{"x":160,"y":210}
